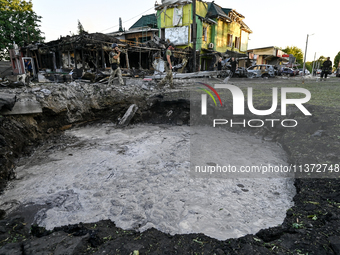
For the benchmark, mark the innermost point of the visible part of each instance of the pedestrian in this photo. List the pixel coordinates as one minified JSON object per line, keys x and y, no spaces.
{"x":115,"y":61}
{"x":326,"y":68}
{"x":28,"y":66}
{"x":233,"y":64}
{"x":168,"y":67}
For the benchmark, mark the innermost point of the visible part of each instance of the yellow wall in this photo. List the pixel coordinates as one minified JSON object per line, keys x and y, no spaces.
{"x":222,"y":30}
{"x":168,"y":20}
{"x":209,"y":33}
{"x":201,"y":8}
{"x":221,"y":35}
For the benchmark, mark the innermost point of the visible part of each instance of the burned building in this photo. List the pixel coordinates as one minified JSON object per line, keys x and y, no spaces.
{"x":78,"y":53}
{"x":75,"y":55}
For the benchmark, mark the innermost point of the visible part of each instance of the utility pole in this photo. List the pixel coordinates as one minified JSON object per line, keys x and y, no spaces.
{"x":194,"y":33}
{"x":304,"y":61}
{"x":120,"y":25}
{"x":313,"y":64}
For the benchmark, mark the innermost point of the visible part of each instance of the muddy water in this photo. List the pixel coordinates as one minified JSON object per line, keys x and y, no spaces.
{"x":139,"y":178}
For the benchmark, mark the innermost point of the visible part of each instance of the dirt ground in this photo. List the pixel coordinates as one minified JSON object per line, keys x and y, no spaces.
{"x":311,"y":226}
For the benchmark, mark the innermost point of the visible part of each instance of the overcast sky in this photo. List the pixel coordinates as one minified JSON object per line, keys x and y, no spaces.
{"x":274,"y":23}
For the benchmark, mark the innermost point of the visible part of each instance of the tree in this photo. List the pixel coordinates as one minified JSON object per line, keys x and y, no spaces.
{"x":318,"y":63}
{"x":19,"y":24}
{"x":337,"y":60}
{"x":81,"y":29}
{"x":309,"y":66}
{"x":322,"y":59}
{"x":296,"y":52}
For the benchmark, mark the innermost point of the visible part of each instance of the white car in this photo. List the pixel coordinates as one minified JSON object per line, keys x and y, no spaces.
{"x":306,"y":72}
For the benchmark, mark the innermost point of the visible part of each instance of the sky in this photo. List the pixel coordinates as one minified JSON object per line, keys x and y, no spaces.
{"x":274,"y":23}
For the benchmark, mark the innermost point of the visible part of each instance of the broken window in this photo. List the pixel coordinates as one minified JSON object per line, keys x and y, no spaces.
{"x":237,"y":42}
{"x":254,"y":68}
{"x":178,"y":16}
{"x":177,"y":35}
{"x":230,"y":40}
{"x":163,"y":33}
{"x":205,"y":34}
{"x":244,"y":41}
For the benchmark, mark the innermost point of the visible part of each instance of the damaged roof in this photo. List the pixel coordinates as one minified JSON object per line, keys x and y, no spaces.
{"x":171,"y":3}
{"x":76,"y":41}
{"x":215,"y":11}
{"x":228,"y":10}
{"x":228,"y":13}
{"x":149,"y":20}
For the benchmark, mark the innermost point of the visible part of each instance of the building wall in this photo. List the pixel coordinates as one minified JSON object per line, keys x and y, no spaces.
{"x":17,"y":61}
{"x":216,"y":34}
{"x":244,"y":41}
{"x":227,"y":35}
{"x":138,"y":37}
{"x":165,"y":21}
{"x":265,"y":52}
{"x":206,"y":37}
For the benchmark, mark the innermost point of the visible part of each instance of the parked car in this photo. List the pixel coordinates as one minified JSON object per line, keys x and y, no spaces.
{"x":288,"y":71}
{"x":241,"y":72}
{"x":301,"y":71}
{"x":337,"y":72}
{"x":261,"y":71}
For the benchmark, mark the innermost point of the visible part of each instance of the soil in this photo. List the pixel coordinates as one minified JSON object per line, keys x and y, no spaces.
{"x":311,"y":226}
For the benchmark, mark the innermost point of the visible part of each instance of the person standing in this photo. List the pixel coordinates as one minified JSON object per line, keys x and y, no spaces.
{"x":115,"y":61}
{"x":28,"y":66}
{"x":233,"y":64}
{"x":326,"y":68}
{"x":168,"y":68}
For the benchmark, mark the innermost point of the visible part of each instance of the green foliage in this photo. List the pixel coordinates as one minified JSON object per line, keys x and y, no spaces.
{"x":296,"y":52}
{"x":297,"y":225}
{"x":322,"y":59}
{"x":337,"y":60}
{"x":319,"y":61}
{"x":309,"y":66}
{"x":18,"y":23}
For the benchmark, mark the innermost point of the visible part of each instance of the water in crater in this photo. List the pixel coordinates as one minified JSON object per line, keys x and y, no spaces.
{"x":139,"y":178}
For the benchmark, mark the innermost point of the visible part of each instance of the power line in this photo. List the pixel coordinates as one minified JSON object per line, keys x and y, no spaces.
{"x":128,"y":20}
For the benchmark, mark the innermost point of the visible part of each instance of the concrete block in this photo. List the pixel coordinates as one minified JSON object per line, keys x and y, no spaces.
{"x":25,"y":105}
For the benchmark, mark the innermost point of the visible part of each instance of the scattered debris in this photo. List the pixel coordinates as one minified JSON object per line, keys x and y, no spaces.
{"x":7,"y":101}
{"x":128,"y":115}
{"x":24,"y":105}
{"x":319,"y":133}
{"x":186,"y":75}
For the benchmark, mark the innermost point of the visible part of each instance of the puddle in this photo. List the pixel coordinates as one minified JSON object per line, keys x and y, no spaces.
{"x":139,"y":178}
